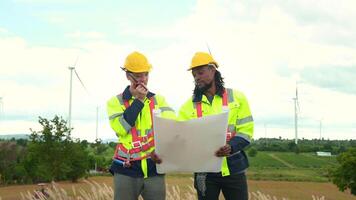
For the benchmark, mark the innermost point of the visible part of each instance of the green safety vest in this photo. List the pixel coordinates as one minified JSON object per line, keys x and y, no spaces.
{"x":137,"y":142}
{"x":240,"y":121}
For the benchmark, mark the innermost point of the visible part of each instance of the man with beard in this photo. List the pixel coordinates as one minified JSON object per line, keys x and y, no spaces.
{"x":209,"y":98}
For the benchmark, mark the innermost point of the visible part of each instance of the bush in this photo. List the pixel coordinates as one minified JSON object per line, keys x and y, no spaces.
{"x":252,"y":152}
{"x":344,"y":175}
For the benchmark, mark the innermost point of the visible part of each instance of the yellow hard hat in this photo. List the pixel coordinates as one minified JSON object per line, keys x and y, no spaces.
{"x":137,"y":62}
{"x":201,"y":59}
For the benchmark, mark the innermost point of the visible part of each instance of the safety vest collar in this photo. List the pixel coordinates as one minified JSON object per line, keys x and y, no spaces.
{"x":225,"y":96}
{"x":126,"y":95}
{"x":197,"y":97}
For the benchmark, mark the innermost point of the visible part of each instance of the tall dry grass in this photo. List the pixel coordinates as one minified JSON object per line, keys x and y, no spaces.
{"x":103,"y":192}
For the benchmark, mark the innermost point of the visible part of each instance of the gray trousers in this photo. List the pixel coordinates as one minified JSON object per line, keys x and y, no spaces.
{"x":130,"y":188}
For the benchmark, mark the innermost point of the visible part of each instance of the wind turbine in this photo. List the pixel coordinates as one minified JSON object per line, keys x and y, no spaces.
{"x":71,"y":68}
{"x":96,"y":124}
{"x":296,"y":106}
{"x":320,"y":126}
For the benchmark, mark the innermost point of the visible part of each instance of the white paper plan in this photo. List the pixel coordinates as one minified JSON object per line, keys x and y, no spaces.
{"x":189,"y":146}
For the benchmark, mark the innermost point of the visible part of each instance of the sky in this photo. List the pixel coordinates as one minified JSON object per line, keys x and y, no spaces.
{"x":264,"y":48}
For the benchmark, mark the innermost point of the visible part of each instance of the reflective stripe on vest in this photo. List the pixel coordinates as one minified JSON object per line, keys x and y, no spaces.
{"x":139,"y":143}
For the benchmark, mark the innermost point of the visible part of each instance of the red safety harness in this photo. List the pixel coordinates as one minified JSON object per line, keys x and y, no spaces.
{"x":229,"y":134}
{"x":139,"y":143}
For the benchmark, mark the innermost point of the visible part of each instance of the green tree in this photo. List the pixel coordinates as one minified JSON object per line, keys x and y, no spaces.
{"x":291,"y":146}
{"x":53,"y":155}
{"x":99,"y":155}
{"x":344,"y":175}
{"x":78,"y":161}
{"x":99,"y":147}
{"x":8,"y":160}
{"x":328,"y":146}
{"x":84,"y":143}
{"x":342,"y":149}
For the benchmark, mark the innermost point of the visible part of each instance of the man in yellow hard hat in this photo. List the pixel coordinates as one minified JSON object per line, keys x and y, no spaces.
{"x":130,"y":114}
{"x":210,"y":96}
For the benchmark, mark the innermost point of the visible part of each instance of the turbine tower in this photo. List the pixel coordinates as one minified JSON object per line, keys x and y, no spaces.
{"x":71,"y":68}
{"x":70,"y":98}
{"x":320,"y":126}
{"x":296,"y":109}
{"x":1,"y":106}
{"x":96,"y":127}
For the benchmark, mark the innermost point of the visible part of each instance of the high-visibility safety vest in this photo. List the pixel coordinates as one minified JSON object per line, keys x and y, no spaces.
{"x":136,"y":142}
{"x":240,"y":121}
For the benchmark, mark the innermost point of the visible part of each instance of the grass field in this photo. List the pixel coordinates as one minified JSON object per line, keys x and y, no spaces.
{"x":290,"y":166}
{"x":279,"y":189}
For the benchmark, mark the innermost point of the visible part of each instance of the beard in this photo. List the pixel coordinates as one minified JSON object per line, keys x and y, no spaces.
{"x":204,"y":88}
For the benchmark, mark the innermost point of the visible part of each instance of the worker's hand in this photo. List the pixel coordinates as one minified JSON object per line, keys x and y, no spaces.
{"x":127,"y":164}
{"x":155,"y":158}
{"x":139,"y":91}
{"x":223,"y":151}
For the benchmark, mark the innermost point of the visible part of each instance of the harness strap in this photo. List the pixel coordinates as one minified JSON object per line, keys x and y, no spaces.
{"x":229,"y":134}
{"x":139,"y":143}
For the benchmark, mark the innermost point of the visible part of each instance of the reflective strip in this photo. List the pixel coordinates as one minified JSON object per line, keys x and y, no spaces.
{"x":126,"y":155}
{"x":244,"y":120}
{"x":155,"y":100}
{"x":225,"y":171}
{"x":114,"y":116}
{"x":231,"y":128}
{"x":124,"y":123}
{"x":119,"y":97}
{"x":166,"y":109}
{"x":144,"y":168}
{"x":244,"y":136}
{"x":230,"y":95}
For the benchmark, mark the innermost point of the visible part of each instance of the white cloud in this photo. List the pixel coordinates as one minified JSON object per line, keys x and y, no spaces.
{"x":251,"y":43}
{"x":27,"y":96}
{"x":3,"y":31}
{"x":50,"y":1}
{"x":18,"y":126}
{"x":86,"y":35}
{"x":56,"y":19}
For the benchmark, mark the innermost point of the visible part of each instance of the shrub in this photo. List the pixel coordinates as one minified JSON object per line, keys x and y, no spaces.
{"x":252,"y":152}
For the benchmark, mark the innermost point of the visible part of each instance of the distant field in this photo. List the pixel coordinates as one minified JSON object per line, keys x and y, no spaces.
{"x":289,"y":190}
{"x":290,"y":166}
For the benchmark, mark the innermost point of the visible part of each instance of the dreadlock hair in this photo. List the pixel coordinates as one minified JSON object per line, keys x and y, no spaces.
{"x":219,"y":84}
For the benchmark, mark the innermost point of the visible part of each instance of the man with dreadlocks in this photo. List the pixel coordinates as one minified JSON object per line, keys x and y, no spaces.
{"x":210,"y":96}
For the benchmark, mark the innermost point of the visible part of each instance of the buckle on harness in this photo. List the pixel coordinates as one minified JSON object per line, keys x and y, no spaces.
{"x":136,"y":144}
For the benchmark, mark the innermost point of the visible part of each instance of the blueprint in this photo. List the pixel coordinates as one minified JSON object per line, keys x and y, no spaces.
{"x":189,"y":146}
